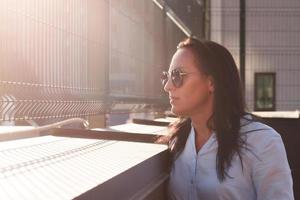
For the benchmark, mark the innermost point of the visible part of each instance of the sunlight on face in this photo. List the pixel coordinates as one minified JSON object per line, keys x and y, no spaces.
{"x":195,"y":94}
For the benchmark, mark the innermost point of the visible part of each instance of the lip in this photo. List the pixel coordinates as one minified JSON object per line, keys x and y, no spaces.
{"x":173,"y":99}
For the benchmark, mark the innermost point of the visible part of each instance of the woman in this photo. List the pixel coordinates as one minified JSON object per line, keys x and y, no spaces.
{"x":219,"y":151}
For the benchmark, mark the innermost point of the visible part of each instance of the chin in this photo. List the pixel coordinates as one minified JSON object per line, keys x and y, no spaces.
{"x":178,"y":112}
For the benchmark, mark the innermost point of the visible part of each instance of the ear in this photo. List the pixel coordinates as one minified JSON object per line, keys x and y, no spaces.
{"x":211,"y":84}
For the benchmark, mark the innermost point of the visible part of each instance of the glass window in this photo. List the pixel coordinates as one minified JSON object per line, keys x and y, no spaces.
{"x":264,"y":92}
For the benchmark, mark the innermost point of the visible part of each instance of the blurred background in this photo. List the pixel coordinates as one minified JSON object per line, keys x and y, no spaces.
{"x":62,"y":59}
{"x":101,"y":60}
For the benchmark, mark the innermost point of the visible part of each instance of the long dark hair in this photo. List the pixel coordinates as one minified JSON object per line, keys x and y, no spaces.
{"x":228,"y":108}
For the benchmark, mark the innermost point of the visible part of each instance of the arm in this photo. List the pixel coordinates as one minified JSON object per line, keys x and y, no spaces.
{"x":271,"y":172}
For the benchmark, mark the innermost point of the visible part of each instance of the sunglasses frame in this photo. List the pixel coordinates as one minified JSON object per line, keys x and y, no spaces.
{"x":178,"y":83}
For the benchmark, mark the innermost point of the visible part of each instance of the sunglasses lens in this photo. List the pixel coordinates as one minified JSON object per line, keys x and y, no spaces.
{"x":164,"y":78}
{"x":176,"y":78}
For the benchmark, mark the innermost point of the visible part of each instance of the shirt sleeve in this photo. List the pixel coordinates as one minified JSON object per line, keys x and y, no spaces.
{"x":271,"y":172}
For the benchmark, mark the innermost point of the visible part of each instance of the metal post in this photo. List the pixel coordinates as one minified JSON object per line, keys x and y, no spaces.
{"x":242,"y":40}
{"x":207,"y":19}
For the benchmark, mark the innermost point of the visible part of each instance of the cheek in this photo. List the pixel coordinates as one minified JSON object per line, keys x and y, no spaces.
{"x":196,"y":98}
{"x":197,"y":93}
{"x":192,"y":98}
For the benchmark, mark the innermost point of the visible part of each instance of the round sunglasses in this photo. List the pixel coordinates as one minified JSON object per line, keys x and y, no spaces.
{"x":176,"y":77}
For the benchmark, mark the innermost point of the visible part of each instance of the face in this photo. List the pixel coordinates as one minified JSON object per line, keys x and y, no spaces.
{"x":195,"y":95}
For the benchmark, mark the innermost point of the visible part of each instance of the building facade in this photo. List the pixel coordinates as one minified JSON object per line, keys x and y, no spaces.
{"x":272,"y":39}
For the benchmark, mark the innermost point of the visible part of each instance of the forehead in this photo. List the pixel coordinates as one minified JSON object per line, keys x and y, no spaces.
{"x":185,"y":59}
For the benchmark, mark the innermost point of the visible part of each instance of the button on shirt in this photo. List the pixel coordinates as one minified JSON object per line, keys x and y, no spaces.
{"x":265,"y":175}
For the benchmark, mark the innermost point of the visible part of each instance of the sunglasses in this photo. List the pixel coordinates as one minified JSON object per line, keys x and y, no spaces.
{"x":176,"y":77}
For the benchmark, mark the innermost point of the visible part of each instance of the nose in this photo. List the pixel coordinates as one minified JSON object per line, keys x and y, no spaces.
{"x":169,"y":86}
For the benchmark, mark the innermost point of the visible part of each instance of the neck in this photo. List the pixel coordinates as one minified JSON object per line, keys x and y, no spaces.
{"x":200,"y":126}
{"x":199,"y":122}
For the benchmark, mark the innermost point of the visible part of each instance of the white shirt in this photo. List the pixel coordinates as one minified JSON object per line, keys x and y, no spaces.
{"x":266,"y":174}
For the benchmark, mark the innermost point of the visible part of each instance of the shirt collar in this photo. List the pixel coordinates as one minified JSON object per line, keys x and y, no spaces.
{"x":207,"y":146}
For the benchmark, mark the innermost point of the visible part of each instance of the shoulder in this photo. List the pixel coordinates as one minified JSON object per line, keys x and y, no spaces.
{"x":255,"y":130}
{"x":267,"y":160}
{"x":261,"y":139}
{"x":264,"y":146}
